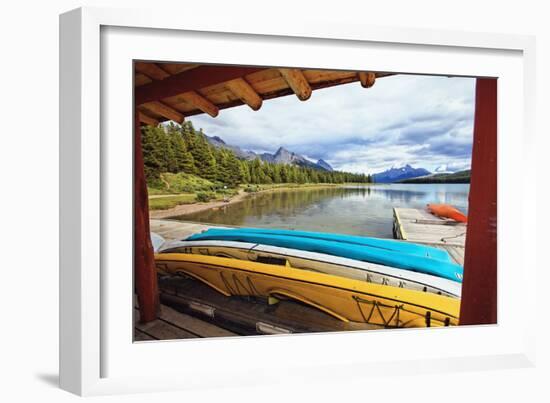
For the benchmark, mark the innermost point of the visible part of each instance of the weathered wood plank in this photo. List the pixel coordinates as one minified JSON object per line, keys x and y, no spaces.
{"x":141,"y":336}
{"x":151,"y":70}
{"x":175,"y":68}
{"x":197,"y":326}
{"x":160,"y":329}
{"x":419,"y":226}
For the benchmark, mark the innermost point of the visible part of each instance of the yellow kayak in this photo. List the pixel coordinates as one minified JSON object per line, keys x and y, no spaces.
{"x":344,"y":298}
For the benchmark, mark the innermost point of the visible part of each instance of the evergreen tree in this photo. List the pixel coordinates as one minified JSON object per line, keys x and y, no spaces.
{"x":203,"y":156}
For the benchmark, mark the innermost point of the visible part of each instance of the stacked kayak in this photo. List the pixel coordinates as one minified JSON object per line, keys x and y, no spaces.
{"x":341,"y":297}
{"x":319,"y":262}
{"x":377,"y":281}
{"x":383,"y":252}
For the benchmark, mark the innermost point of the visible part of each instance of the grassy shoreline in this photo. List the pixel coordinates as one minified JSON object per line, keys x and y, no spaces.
{"x":160,"y":202}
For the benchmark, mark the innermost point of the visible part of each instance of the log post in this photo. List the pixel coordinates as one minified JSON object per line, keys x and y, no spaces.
{"x":479,"y":287}
{"x":145,"y":276}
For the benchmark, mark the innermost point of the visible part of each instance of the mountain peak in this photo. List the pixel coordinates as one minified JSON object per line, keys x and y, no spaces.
{"x":282,"y":150}
{"x":398,"y":174}
{"x":283,"y":156}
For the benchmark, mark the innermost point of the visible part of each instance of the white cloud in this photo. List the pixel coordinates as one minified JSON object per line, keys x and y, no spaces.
{"x":425,"y":121}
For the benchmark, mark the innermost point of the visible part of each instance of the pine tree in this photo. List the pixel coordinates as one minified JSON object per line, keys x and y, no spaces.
{"x":183,"y":160}
{"x":205,"y":162}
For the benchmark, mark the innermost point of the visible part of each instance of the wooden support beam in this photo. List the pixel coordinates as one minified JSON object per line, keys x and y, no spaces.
{"x":175,"y":68}
{"x":164,"y":110}
{"x":145,"y":274}
{"x":190,"y":80}
{"x":151,"y":70}
{"x":199,"y":102}
{"x":367,"y":79}
{"x":299,"y":84}
{"x":141,"y":79}
{"x":148,"y":120}
{"x":245,"y":92}
{"x":479,"y":287}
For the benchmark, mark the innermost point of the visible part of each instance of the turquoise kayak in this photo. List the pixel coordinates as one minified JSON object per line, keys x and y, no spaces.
{"x":376,"y":254}
{"x":386,"y":244}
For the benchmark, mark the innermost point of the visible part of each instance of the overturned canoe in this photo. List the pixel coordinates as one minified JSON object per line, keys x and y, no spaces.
{"x":384,"y":244}
{"x":318,"y":262}
{"x":343,"y":298}
{"x":386,"y":257}
{"x":447,"y":211}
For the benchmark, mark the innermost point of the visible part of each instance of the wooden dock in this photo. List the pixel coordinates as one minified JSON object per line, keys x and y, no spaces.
{"x":172,"y":230}
{"x":419,"y":226}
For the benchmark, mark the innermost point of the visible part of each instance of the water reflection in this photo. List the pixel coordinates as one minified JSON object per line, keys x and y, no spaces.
{"x":363,"y":210}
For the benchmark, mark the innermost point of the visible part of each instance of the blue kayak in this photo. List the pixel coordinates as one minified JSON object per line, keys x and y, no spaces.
{"x":393,"y":258}
{"x":386,"y":244}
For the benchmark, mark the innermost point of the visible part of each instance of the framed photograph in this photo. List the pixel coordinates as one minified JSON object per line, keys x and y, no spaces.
{"x":288,"y":196}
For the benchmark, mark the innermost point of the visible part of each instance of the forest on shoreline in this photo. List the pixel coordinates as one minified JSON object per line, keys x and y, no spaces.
{"x":184,"y":150}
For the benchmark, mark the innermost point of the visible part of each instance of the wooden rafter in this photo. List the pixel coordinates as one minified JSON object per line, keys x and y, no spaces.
{"x":299,"y":84}
{"x":151,"y":70}
{"x":148,"y":120}
{"x":164,"y":110}
{"x":245,"y":93}
{"x":367,"y":78}
{"x":175,"y":68}
{"x":190,"y":80}
{"x":199,"y":102}
{"x":141,"y":79}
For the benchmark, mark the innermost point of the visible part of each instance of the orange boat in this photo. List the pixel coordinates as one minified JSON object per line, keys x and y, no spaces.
{"x":447,"y":211}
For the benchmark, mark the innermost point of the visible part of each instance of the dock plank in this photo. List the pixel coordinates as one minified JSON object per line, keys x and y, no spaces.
{"x":419,"y":226}
{"x":161,"y":330}
{"x":197,"y":326}
{"x":172,"y":230}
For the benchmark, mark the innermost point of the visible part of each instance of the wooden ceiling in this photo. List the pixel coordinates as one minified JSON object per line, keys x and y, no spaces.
{"x":173,"y":91}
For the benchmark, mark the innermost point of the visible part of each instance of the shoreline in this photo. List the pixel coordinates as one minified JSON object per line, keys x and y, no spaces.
{"x":184,"y":209}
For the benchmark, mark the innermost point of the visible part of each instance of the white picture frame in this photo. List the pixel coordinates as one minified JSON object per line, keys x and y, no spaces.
{"x":97,"y":355}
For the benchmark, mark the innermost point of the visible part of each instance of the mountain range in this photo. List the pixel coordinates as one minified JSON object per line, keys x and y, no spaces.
{"x":455,"y":177}
{"x":281,"y":156}
{"x":399,"y":174}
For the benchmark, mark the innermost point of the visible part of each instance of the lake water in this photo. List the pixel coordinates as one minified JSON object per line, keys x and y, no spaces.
{"x":359,"y":210}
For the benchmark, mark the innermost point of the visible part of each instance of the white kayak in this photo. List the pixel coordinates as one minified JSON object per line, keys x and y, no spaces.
{"x":319,"y":262}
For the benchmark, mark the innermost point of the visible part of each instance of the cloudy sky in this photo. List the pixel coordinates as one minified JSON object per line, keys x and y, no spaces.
{"x":423,"y":121}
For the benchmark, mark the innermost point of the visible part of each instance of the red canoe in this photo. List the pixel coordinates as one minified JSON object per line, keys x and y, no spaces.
{"x":447,"y":211}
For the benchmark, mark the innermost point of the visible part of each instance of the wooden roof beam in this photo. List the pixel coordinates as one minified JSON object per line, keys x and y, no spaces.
{"x":146,"y":119}
{"x":297,"y":82}
{"x":175,"y":68}
{"x":245,"y":93}
{"x":199,"y":102}
{"x":367,"y":78}
{"x":190,"y":80}
{"x":151,"y":70}
{"x":164,"y":110}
